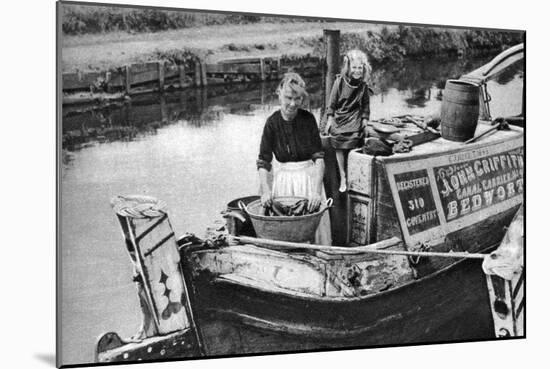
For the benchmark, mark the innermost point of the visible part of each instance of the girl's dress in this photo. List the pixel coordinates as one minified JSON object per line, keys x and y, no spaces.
{"x":296,"y":144}
{"x":349,"y":104}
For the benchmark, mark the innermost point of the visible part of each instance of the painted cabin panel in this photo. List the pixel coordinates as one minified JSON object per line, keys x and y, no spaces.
{"x":360,"y":173}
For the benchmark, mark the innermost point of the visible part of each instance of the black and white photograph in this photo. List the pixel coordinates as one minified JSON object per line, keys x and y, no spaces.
{"x":274,"y":184}
{"x":236,"y":183}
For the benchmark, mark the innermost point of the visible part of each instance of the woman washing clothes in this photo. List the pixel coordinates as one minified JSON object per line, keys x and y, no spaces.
{"x":292,"y":135}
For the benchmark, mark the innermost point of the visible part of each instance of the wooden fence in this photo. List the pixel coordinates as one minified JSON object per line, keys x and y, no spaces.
{"x":159,"y":75}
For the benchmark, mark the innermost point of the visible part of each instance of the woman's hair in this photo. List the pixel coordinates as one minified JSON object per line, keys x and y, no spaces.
{"x":360,"y":56}
{"x":294,"y":82}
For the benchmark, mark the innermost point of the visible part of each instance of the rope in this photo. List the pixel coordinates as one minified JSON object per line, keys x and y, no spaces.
{"x":354,"y":250}
{"x":138,"y":206}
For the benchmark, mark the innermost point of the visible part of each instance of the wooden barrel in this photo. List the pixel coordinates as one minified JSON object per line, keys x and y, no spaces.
{"x":459,"y":110}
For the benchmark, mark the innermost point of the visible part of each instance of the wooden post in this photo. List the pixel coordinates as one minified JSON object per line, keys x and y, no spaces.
{"x":128,"y":78}
{"x":204,"y":81}
{"x":262,"y":93}
{"x":108,"y":82}
{"x":332,"y":39}
{"x":161,"y":75}
{"x":339,"y":210}
{"x":262,"y":69}
{"x":181,"y":69}
{"x":197,"y":73}
{"x":279,"y":70}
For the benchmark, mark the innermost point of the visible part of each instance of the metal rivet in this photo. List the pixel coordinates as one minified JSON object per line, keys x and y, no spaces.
{"x":162,"y":352}
{"x":125,"y":356}
{"x":149,"y":349}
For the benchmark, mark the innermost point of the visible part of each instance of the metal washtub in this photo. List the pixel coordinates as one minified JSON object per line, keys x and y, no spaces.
{"x":300,"y":228}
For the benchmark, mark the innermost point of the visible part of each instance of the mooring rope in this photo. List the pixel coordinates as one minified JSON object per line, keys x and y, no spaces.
{"x":138,"y":206}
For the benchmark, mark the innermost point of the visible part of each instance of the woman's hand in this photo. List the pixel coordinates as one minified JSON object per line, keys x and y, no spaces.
{"x":266,"y":199}
{"x":313,"y":202}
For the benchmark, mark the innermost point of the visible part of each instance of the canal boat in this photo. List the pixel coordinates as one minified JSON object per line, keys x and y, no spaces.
{"x":418,"y":225}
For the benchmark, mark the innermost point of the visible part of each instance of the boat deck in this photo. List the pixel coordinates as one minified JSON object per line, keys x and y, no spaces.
{"x":442,"y":145}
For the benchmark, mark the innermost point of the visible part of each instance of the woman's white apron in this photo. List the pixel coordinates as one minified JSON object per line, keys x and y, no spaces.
{"x":296,"y":179}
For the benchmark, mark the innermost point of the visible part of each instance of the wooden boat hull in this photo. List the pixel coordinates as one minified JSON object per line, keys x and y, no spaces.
{"x":450,"y":305}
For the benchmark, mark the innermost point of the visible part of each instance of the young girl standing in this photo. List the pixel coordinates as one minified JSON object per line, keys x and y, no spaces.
{"x":348,"y":110}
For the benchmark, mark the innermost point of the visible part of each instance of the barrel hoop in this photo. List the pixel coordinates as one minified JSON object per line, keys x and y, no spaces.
{"x":462,"y":102}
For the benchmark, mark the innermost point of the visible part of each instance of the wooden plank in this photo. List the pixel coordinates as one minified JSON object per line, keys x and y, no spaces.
{"x":116,"y":78}
{"x":263,"y":268}
{"x":245,"y":60}
{"x":145,"y":72}
{"x":80,"y":81}
{"x":233,"y":68}
{"x":359,"y":169}
{"x":359,"y":219}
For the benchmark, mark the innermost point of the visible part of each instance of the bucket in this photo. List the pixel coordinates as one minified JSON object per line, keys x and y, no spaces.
{"x":459,"y":110}
{"x":300,"y":228}
{"x":236,"y":220}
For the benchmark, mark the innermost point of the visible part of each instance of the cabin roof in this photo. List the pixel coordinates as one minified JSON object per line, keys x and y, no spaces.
{"x":442,"y":145}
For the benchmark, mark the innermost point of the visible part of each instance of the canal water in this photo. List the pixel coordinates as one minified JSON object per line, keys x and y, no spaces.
{"x":196,"y":150}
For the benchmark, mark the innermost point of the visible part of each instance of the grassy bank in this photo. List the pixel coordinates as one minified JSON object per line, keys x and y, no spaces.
{"x":102,"y":38}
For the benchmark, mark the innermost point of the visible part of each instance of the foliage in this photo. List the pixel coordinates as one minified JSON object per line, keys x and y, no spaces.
{"x":84,"y":19}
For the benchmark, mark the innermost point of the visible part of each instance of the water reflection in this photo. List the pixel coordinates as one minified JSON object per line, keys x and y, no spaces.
{"x":418,"y":82}
{"x":417,"y":78}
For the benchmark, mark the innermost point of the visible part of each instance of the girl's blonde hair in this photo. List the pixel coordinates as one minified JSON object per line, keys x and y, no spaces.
{"x":360,"y":56}
{"x":294,"y":82}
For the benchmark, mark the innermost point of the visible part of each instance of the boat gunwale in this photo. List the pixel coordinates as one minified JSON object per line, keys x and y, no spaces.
{"x":346,"y":300}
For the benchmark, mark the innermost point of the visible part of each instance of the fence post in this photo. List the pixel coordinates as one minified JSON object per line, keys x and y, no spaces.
{"x":262,"y":69}
{"x":161,"y":75}
{"x":128,"y":78}
{"x":197,"y":73}
{"x":203,"y":73}
{"x":181,"y":68}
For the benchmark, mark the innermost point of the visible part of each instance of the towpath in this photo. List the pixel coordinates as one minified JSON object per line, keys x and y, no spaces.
{"x":103,"y":51}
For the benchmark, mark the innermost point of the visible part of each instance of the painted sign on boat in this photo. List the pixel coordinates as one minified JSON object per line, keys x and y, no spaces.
{"x":474,"y":185}
{"x":449,"y":190}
